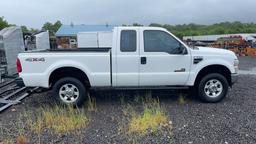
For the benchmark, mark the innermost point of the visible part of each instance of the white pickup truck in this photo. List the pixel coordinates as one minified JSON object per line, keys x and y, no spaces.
{"x":140,"y":58}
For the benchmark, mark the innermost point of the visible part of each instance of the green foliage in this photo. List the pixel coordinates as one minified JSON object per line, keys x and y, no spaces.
{"x":219,"y":28}
{"x":136,"y":24}
{"x":3,"y":23}
{"x":24,"y":29}
{"x":28,"y":30}
{"x":52,"y":27}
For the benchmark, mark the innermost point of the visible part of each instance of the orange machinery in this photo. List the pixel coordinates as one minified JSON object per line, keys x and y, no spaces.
{"x":250,"y":50}
{"x":236,"y":44}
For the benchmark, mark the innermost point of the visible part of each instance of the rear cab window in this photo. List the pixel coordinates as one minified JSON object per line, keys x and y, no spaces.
{"x":128,"y":41}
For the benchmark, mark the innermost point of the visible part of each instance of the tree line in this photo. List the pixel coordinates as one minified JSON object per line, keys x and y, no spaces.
{"x":219,"y":28}
{"x":179,"y":30}
{"x":51,"y":27}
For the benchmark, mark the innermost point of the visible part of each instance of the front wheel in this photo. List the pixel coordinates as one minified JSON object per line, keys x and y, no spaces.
{"x":213,"y":88}
{"x":69,"y":91}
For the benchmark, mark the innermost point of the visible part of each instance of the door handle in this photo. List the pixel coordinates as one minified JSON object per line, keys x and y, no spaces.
{"x":143,"y":60}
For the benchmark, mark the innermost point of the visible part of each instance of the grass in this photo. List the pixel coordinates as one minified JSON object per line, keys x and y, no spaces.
{"x":16,"y":134}
{"x":181,"y":99}
{"x":91,"y":103}
{"x":152,"y":117}
{"x":60,"y":119}
{"x":142,"y":115}
{"x":7,"y":141}
{"x":57,"y":120}
{"x":21,"y":139}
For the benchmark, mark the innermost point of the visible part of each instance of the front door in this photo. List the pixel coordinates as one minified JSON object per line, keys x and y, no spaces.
{"x":164,"y":61}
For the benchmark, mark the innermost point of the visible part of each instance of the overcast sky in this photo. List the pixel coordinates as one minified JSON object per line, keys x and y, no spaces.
{"x":34,"y":13}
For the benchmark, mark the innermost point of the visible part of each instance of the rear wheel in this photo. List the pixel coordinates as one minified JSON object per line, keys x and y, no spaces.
{"x":213,"y":88}
{"x":69,"y":91}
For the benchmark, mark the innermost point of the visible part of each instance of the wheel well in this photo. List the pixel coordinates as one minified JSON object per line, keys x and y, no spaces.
{"x":223,"y":70}
{"x":68,"y":72}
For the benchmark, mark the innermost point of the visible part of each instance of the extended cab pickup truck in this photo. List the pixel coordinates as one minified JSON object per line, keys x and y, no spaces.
{"x":139,"y":58}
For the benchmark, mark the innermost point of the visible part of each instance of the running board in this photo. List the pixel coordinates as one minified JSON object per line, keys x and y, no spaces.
{"x":142,"y":88}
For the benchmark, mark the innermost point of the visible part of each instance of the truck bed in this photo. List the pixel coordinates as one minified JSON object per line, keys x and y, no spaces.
{"x":38,"y":65}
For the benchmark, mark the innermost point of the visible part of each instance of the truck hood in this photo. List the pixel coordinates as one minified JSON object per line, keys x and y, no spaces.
{"x":213,"y":51}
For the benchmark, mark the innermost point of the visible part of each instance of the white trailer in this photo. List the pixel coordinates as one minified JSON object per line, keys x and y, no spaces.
{"x":11,"y":43}
{"x":94,"y":39}
{"x":42,"y":41}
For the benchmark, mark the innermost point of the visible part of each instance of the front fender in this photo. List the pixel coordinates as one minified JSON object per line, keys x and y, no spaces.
{"x":196,"y":68}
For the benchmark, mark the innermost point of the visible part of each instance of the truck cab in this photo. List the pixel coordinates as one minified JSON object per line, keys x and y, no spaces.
{"x":149,"y":57}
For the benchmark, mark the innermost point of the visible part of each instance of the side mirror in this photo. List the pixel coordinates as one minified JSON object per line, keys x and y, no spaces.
{"x":183,"y":49}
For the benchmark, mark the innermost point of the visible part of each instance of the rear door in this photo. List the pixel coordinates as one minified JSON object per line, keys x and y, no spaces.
{"x":164,"y":61}
{"x":127,"y":57}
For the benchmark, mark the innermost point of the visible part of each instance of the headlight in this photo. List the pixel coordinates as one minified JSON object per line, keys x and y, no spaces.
{"x":236,"y":63}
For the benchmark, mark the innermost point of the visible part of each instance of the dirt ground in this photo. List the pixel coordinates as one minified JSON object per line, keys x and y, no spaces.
{"x":229,"y":121}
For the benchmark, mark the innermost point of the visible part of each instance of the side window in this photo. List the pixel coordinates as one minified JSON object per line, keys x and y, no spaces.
{"x":160,"y":41}
{"x":128,"y":41}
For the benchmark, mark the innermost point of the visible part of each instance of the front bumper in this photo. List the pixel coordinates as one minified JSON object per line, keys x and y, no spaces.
{"x":19,"y":82}
{"x":234,"y":78}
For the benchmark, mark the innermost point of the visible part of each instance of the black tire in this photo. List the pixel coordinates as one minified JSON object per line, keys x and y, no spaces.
{"x":79,"y":87}
{"x":206,"y":81}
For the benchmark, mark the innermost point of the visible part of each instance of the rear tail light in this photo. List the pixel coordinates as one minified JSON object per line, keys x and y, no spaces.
{"x":19,"y":68}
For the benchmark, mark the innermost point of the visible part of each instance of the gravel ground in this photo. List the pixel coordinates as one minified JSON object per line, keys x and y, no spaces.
{"x":229,"y":121}
{"x":247,"y":63}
